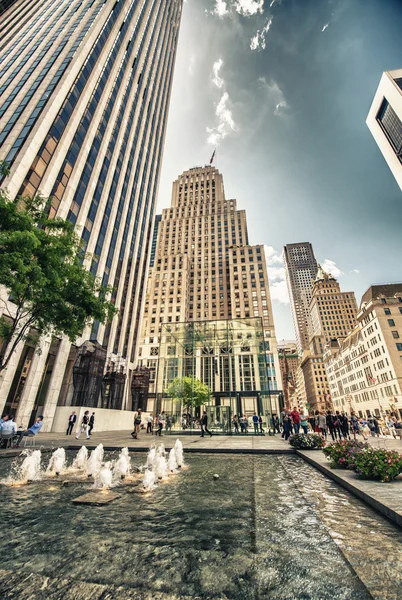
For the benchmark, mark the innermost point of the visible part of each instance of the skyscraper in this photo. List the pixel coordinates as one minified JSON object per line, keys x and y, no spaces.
{"x":332,"y":316}
{"x":301,"y":270}
{"x":205,"y":270}
{"x":385,"y":120}
{"x":84,"y":92}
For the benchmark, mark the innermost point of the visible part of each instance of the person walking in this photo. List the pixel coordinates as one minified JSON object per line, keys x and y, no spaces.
{"x":376,"y":425}
{"x":161,"y":422}
{"x":355,"y":425}
{"x":337,"y":424}
{"x":330,"y":425}
{"x":71,"y":422}
{"x":255,"y":423}
{"x":287,"y":426}
{"x":295,"y":416}
{"x":260,"y":423}
{"x":236,"y":424}
{"x":204,"y":424}
{"x":137,"y":424}
{"x":344,"y":425}
{"x":84,"y":426}
{"x":322,"y":424}
{"x":304,"y":423}
{"x":91,"y":423}
{"x":390,"y":424}
{"x":150,"y":421}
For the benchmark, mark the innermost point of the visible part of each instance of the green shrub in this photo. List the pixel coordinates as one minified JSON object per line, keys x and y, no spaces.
{"x":301,"y":441}
{"x":378,"y":464}
{"x":342,"y":453}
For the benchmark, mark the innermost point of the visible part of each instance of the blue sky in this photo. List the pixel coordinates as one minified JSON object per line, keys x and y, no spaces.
{"x":283,"y":88}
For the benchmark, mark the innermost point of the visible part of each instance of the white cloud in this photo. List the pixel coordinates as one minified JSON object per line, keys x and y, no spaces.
{"x":249,"y":7}
{"x":276,"y":275}
{"x":275,"y":95}
{"x":259,"y":41}
{"x":218,"y":81}
{"x":325,"y":27}
{"x":226,"y":122}
{"x":330,"y":267}
{"x":356,"y":271}
{"x":221,"y":8}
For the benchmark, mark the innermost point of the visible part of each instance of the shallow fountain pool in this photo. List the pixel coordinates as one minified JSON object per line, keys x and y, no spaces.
{"x":268,"y":527}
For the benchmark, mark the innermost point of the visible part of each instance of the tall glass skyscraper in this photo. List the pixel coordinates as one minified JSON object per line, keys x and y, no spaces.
{"x":84,"y":97}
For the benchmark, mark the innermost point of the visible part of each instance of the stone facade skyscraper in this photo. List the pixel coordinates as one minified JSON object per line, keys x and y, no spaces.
{"x":205,"y":269}
{"x":301,"y":270}
{"x":84,"y":92}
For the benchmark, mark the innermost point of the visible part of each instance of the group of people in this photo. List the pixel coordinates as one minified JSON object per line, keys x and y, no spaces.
{"x":242,"y":423}
{"x":12,"y":433}
{"x":86,"y":426}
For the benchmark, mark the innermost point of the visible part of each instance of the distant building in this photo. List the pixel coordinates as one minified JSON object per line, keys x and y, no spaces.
{"x":158,"y":219}
{"x":365,"y":368}
{"x":205,"y":271}
{"x":332,"y":315}
{"x":385,"y":120}
{"x":288,"y":362}
{"x":301,"y":269}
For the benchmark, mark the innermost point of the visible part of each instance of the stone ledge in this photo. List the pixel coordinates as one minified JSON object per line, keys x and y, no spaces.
{"x":380,"y":496}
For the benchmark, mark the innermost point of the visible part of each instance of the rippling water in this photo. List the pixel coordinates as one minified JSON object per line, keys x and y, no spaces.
{"x":269,"y":527}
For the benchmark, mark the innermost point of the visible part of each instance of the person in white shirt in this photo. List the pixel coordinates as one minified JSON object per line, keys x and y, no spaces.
{"x":150,"y":421}
{"x":8,"y":425}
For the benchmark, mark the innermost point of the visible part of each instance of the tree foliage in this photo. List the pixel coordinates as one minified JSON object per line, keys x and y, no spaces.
{"x":190,"y":391}
{"x":42,"y":271}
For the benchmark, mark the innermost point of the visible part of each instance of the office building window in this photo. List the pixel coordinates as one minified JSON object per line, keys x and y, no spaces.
{"x":391,"y":126}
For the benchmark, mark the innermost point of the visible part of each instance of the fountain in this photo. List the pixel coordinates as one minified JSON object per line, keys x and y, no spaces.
{"x":104,"y":477}
{"x":57,"y":462}
{"x":95,"y":460}
{"x":148,"y":483}
{"x":81,"y":460}
{"x":160,"y":468}
{"x":122,"y":466}
{"x":172,"y":462}
{"x":151,"y":456}
{"x":29,"y":470}
{"x":178,"y":448}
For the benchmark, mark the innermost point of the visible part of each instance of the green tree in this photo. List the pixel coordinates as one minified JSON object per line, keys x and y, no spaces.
{"x":190,"y":391}
{"x":41,"y":269}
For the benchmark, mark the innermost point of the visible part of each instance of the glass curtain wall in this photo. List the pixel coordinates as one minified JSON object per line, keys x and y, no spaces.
{"x":230,"y":357}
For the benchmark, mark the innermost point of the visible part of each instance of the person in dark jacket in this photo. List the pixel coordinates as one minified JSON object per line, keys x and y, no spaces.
{"x":345,"y":425}
{"x":330,"y":425}
{"x":84,"y":426}
{"x":204,"y":424}
{"x":72,"y":419}
{"x":91,"y":423}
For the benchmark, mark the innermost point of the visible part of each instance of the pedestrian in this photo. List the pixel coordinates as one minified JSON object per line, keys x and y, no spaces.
{"x":245,"y":420}
{"x":304,"y":423}
{"x":91,"y":423}
{"x":287,"y":426}
{"x":204,"y":424}
{"x":137,"y":424}
{"x":330,"y":419}
{"x":260,"y":423}
{"x":242,"y":421}
{"x":84,"y":427}
{"x":150,"y":421}
{"x":71,"y":422}
{"x":376,"y":427}
{"x":322,"y":423}
{"x":255,"y":423}
{"x":337,"y":424}
{"x":355,"y":425}
{"x":161,"y":422}
{"x":390,"y":424}
{"x":168,"y":423}
{"x":345,"y":425}
{"x":295,"y":416}
{"x":236,"y":423}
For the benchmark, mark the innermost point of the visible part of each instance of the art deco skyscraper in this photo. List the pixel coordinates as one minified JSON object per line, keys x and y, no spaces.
{"x":84,"y":97}
{"x":205,"y":269}
{"x":301,"y":270}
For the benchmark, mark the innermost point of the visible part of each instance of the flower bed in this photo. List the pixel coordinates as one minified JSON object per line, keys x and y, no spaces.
{"x":377,"y":464}
{"x":312,"y":441}
{"x":342,"y":453}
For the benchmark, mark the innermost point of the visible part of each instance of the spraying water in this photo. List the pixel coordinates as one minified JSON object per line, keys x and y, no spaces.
{"x":104,"y":477}
{"x":29,"y":470}
{"x":81,"y":460}
{"x":95,"y":460}
{"x":122,"y":466}
{"x":160,"y":469}
{"x":57,"y":462}
{"x":148,"y":483}
{"x":172,"y":462}
{"x":151,"y":457}
{"x":178,"y":448}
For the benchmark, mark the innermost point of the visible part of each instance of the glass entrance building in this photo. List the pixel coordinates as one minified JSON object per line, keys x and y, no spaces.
{"x":228,"y":355}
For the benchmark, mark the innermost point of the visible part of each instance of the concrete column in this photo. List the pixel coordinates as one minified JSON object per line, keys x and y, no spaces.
{"x":55,"y":384}
{"x":7,"y":376}
{"x":32,"y":383}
